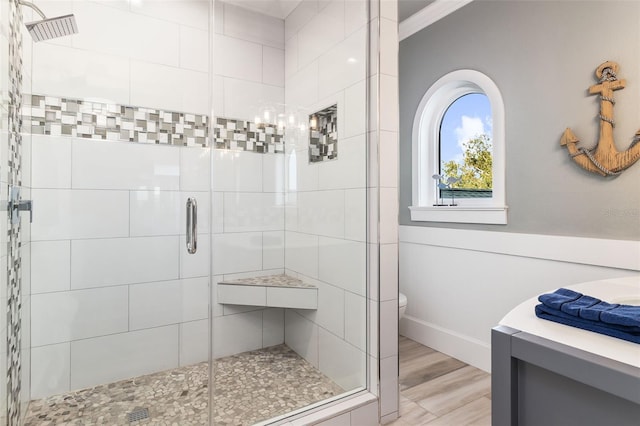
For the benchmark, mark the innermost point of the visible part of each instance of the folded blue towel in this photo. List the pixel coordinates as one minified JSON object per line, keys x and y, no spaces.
{"x":583,"y":303}
{"x":594,"y":312}
{"x":626,"y":315}
{"x":558,"y":298}
{"x":575,"y":309}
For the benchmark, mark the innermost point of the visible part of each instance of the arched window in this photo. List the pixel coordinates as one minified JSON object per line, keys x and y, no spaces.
{"x":458,"y":151}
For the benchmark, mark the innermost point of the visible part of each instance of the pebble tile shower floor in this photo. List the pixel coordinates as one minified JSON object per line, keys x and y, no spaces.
{"x":249,"y":387}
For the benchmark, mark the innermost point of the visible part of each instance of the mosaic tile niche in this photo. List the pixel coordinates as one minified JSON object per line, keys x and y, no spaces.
{"x":48,"y":115}
{"x":241,"y":135}
{"x":323,"y":135}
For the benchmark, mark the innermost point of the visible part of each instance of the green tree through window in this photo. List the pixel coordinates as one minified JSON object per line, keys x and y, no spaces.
{"x":475,"y":169}
{"x":465,"y":147}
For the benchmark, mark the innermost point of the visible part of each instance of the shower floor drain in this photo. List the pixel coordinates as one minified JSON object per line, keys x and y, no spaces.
{"x":138,"y":414}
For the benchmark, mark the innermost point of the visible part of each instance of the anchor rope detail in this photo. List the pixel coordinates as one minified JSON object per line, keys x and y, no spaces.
{"x":606,"y":98}
{"x":608,"y":120}
{"x":604,"y":158}
{"x":603,"y":169}
{"x":608,"y":75}
{"x":595,"y":162}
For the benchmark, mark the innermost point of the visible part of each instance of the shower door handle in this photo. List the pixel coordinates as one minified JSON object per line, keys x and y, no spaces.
{"x":192,"y":225}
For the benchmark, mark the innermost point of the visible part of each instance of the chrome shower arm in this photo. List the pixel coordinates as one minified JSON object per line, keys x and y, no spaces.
{"x":47,"y":29}
{"x":32,"y":6}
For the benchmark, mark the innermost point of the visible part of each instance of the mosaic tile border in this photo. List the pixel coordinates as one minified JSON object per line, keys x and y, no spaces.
{"x":14,"y":260}
{"x":323,"y":135}
{"x":55,"y":116}
{"x":241,"y":135}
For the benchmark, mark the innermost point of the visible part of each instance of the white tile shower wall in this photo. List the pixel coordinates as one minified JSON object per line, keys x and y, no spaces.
{"x":330,"y":314}
{"x":251,"y":26}
{"x":74,"y":214}
{"x":168,"y":302}
{"x":147,"y":59}
{"x":193,"y":348}
{"x":73,"y":315}
{"x":146,"y":351}
{"x":241,"y":332}
{"x":340,"y":360}
{"x":117,"y":261}
{"x":193,"y":42}
{"x":325,"y":57}
{"x":52,"y":161}
{"x":196,"y":264}
{"x":238,"y":59}
{"x":195,"y":15}
{"x":237,"y":252}
{"x":109,"y":247}
{"x":272,"y":250}
{"x":343,"y":264}
{"x":301,"y":335}
{"x":95,"y":162}
{"x":249,"y":70}
{"x":156,"y":57}
{"x":249,"y":187}
{"x":50,"y":370}
{"x":53,"y":273}
{"x":355,"y":321}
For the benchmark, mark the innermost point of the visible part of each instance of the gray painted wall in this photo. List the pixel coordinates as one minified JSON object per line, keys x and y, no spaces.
{"x":542,"y":55}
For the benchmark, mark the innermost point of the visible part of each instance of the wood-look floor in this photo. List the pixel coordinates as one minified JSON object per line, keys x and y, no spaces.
{"x":436,"y":389}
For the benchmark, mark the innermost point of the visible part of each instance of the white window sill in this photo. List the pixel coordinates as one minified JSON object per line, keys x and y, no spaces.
{"x":460,"y":214}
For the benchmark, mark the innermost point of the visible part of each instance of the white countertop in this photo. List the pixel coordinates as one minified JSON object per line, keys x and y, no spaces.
{"x":615,"y":290}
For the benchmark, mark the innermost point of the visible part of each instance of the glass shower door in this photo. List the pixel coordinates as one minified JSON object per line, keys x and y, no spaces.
{"x":119,"y":173}
{"x":289,"y":294}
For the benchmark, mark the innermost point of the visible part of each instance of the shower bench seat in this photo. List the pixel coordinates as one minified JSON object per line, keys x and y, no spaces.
{"x":275,"y":291}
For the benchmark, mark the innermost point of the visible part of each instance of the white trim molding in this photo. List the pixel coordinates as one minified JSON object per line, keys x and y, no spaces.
{"x":465,"y":348}
{"x":427,"y":16}
{"x":620,"y":254}
{"x":425,"y":146}
{"x":489,"y":215}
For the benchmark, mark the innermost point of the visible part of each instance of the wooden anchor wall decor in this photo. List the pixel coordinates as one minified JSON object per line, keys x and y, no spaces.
{"x":604,"y":158}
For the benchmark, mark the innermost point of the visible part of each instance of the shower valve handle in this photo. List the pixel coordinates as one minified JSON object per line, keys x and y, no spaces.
{"x":16,"y":205}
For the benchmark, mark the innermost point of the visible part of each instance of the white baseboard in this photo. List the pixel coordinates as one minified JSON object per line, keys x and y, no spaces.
{"x":467,"y":349}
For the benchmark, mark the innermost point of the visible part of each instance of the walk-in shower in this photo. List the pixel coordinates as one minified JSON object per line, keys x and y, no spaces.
{"x":249,"y":116}
{"x":49,"y":28}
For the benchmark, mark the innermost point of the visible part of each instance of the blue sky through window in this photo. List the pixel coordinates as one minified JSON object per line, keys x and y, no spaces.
{"x":467,"y":117}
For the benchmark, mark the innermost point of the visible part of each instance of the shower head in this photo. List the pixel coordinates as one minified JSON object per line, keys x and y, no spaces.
{"x":50,"y":28}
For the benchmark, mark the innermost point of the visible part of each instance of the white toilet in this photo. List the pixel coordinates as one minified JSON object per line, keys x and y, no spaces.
{"x":402,"y":305}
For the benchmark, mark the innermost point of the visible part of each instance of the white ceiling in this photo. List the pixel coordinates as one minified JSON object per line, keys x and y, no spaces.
{"x":276,"y":8}
{"x":282,"y":8}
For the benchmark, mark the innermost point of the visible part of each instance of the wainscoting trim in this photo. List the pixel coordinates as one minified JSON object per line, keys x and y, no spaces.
{"x":621,"y":254}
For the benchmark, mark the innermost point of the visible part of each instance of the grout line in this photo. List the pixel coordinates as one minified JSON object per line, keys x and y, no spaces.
{"x":70,"y":267}
{"x":70,"y":364}
{"x":129,"y":210}
{"x":129,"y":308}
{"x":179,"y":343}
